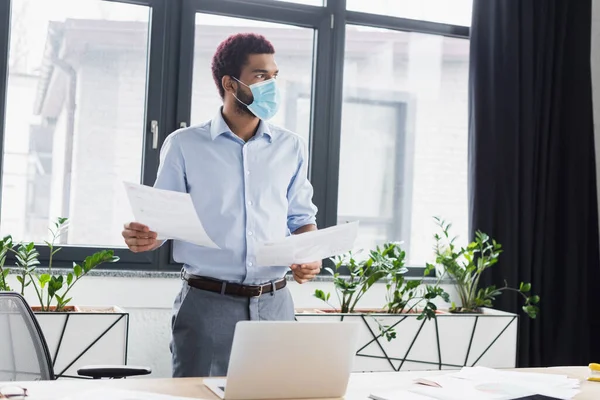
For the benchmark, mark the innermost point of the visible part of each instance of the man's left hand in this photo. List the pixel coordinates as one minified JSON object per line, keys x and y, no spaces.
{"x":306,"y":272}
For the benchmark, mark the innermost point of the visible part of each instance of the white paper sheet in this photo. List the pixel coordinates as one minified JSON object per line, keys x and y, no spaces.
{"x":308,"y":247}
{"x":551,"y":385}
{"x":170,"y":214}
{"x":480,"y":383}
{"x":399,"y":394}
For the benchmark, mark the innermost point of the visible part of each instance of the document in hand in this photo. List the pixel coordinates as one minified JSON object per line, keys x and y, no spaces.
{"x":308,"y":247}
{"x":170,"y":214}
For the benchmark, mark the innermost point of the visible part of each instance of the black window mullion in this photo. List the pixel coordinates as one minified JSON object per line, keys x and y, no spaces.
{"x":154,"y":90}
{"x":320,"y":131}
{"x":4,"y":48}
{"x":186,"y":35}
{"x":405,"y":24}
{"x":269,"y":11}
{"x":328,"y":112}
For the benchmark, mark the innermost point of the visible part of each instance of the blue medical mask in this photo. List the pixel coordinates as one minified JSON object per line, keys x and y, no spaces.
{"x":266,"y":98}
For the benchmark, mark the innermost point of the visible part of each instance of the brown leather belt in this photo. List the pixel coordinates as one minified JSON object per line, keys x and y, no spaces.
{"x":222,"y":287}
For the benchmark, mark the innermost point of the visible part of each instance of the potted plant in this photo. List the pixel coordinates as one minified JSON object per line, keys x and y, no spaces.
{"x":465,"y":266}
{"x":76,"y":334}
{"x":408,"y":305}
{"x":410,"y":331}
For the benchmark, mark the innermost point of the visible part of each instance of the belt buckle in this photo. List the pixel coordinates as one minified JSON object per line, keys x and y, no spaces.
{"x":260,"y":290}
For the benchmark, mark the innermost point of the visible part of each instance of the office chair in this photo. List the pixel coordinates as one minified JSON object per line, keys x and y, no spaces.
{"x":24,"y":354}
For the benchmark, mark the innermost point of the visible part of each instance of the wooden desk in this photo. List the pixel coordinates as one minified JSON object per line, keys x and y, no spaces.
{"x":359,"y":388}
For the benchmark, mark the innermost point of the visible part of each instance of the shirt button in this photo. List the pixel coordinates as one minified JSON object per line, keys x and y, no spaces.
{"x":247,"y":172}
{"x":249,"y":233}
{"x":250,"y":264}
{"x":250,"y":202}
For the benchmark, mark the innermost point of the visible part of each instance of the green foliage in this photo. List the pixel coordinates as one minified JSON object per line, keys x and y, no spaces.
{"x":27,"y":260}
{"x":466,"y":265}
{"x":6,"y":244}
{"x":404,"y":295}
{"x":50,"y":288}
{"x":385,"y":264}
{"x":350,"y":289}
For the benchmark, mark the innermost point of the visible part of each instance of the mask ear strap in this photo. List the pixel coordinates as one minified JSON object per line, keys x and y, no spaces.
{"x":240,"y":100}
{"x":240,"y":81}
{"x":235,"y":95}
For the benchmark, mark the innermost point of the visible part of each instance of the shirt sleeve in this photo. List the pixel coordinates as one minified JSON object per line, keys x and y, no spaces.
{"x":301,"y":210}
{"x":171,"y":170}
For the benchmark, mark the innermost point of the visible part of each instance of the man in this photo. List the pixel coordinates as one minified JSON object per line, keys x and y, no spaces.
{"x":248,"y":181}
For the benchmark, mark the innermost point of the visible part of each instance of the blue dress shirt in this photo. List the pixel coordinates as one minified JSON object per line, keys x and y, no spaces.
{"x":244,"y":193}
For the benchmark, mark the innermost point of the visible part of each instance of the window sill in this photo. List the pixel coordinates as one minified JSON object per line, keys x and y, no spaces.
{"x":118,"y":273}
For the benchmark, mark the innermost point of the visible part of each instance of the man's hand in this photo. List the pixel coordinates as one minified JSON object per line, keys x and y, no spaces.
{"x":139,"y":238}
{"x":306,"y":272}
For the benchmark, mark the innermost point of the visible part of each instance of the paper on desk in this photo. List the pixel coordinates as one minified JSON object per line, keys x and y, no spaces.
{"x":308,"y":247}
{"x":104,"y":394}
{"x":479,"y":383}
{"x":551,"y":385}
{"x":399,"y":394}
{"x":170,"y":214}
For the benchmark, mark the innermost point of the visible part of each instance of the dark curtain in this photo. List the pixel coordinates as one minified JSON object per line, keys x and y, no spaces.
{"x":532,"y":174}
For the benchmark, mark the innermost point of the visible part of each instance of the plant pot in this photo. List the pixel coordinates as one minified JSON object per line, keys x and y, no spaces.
{"x":450,"y":341}
{"x":83,"y":335}
{"x":38,"y":309}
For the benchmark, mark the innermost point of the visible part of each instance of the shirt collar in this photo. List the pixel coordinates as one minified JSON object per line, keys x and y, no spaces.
{"x":218,"y":126}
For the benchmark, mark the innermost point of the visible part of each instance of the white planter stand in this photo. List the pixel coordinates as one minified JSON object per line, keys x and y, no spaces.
{"x":451,"y":341}
{"x":89,"y":336}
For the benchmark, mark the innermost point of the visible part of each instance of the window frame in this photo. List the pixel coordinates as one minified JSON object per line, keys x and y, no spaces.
{"x":150,"y":156}
{"x":169,"y":92}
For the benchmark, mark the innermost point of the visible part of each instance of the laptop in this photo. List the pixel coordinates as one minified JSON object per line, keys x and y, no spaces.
{"x":288,"y":359}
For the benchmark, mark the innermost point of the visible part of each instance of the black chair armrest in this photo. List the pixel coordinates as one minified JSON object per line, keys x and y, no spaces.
{"x":112,"y":371}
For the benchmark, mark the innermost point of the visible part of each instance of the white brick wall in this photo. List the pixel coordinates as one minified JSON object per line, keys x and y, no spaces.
{"x":108,"y":143}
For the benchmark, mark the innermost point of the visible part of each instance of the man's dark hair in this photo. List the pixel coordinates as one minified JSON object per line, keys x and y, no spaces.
{"x":232,"y":54}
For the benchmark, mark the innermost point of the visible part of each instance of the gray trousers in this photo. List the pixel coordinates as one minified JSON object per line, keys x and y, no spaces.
{"x":203,"y":324}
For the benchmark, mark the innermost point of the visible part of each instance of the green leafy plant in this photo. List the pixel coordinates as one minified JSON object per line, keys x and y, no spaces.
{"x":27,"y":260}
{"x":50,"y":288}
{"x":5,"y":245}
{"x":466,"y":265}
{"x":53,"y":284}
{"x":385,"y":264}
{"x":404,"y":295}
{"x":350,"y":289}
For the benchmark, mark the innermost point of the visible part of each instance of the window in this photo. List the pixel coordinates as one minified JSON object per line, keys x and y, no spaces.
{"x":88,"y":81}
{"x":293,"y":54}
{"x":455,"y":12}
{"x":74,"y":125}
{"x":404,"y":137}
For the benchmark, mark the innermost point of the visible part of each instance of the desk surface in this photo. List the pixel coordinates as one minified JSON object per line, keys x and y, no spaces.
{"x":359,"y":388}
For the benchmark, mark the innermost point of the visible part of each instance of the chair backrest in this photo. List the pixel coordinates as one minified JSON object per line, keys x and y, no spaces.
{"x":24,"y":354}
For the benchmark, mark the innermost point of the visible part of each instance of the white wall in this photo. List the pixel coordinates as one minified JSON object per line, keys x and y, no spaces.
{"x":149,"y":301}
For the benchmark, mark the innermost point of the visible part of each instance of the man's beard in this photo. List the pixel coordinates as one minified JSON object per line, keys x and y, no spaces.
{"x":243,"y":98}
